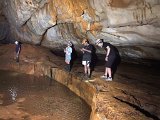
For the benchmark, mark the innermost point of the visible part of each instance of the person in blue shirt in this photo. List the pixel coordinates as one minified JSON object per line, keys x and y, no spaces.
{"x":68,"y":56}
{"x":18,"y":49}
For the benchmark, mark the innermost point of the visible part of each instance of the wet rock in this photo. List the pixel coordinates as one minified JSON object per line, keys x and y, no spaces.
{"x":131,"y":95}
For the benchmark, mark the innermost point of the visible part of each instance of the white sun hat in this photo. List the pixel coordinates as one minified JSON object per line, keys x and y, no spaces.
{"x":98,"y":41}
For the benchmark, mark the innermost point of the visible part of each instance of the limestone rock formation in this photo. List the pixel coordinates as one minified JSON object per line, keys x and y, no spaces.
{"x":131,"y":95}
{"x":4,"y":26}
{"x":131,"y":25}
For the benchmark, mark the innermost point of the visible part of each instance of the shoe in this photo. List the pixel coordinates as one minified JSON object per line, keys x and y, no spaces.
{"x":109,"y":79}
{"x":86,"y":80}
{"x":104,"y":77}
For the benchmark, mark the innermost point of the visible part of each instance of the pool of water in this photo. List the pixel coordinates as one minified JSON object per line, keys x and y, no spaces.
{"x":38,"y":98}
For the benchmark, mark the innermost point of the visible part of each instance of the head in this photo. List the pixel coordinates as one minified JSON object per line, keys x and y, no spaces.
{"x":69,"y":43}
{"x":16,"y":42}
{"x":85,"y":42}
{"x":99,"y":42}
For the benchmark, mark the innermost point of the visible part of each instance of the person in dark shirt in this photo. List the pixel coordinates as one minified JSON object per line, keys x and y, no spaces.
{"x":87,"y":56}
{"x":110,"y":58}
{"x":18,"y":49}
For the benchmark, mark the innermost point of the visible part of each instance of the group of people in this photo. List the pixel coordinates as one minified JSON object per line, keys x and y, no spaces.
{"x":110,"y":59}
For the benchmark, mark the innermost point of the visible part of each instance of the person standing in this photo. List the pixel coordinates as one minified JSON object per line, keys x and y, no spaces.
{"x":110,"y":58}
{"x":18,"y":49}
{"x":87,"y":56}
{"x":68,"y":56}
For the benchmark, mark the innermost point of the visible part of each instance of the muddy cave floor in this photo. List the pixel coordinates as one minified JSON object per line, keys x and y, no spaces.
{"x":134,"y":85}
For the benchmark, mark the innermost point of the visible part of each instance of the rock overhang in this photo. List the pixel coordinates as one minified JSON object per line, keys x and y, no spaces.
{"x":131,"y":25}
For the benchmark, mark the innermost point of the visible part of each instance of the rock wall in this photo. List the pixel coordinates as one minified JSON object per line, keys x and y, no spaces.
{"x":132,"y":95}
{"x":4,"y":27}
{"x":131,"y":25}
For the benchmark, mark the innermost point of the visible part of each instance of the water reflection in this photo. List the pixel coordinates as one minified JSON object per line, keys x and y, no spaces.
{"x":39,"y":97}
{"x":13,"y":93}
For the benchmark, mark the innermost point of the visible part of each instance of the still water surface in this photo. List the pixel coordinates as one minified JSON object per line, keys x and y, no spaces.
{"x":40,"y":97}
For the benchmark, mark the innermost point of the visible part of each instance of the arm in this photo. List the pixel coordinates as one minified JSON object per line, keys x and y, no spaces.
{"x":108,"y":51}
{"x":89,"y":49}
{"x":86,"y":50}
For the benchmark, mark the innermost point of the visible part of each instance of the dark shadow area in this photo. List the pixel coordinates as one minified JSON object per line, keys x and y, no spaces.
{"x":94,"y":59}
{"x":100,"y":60}
{"x":58,"y":52}
{"x":146,"y":113}
{"x":144,"y":62}
{"x":73,"y":56}
{"x":116,"y":62}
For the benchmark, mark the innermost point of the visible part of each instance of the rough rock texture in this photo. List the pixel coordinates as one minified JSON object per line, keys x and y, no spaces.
{"x":134,"y":95}
{"x":132,"y":25}
{"x":4,"y":27}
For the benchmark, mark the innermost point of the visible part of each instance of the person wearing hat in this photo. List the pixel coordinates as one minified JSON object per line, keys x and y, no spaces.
{"x":87,"y":56}
{"x":110,"y":58}
{"x":68,"y":53}
{"x":18,"y":49}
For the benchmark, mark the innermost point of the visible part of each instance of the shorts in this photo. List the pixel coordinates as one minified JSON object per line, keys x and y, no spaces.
{"x":68,"y":58}
{"x":87,"y":63}
{"x":110,"y":62}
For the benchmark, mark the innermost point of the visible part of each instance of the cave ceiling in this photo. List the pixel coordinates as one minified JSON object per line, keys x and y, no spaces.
{"x":131,"y":25}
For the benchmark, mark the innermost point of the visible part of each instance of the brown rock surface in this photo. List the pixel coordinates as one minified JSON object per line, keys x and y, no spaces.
{"x":131,"y":95}
{"x":132,"y":25}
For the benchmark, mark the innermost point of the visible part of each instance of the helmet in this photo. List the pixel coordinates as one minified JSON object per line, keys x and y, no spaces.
{"x":98,"y":41}
{"x":16,"y":42}
{"x":84,"y":41}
